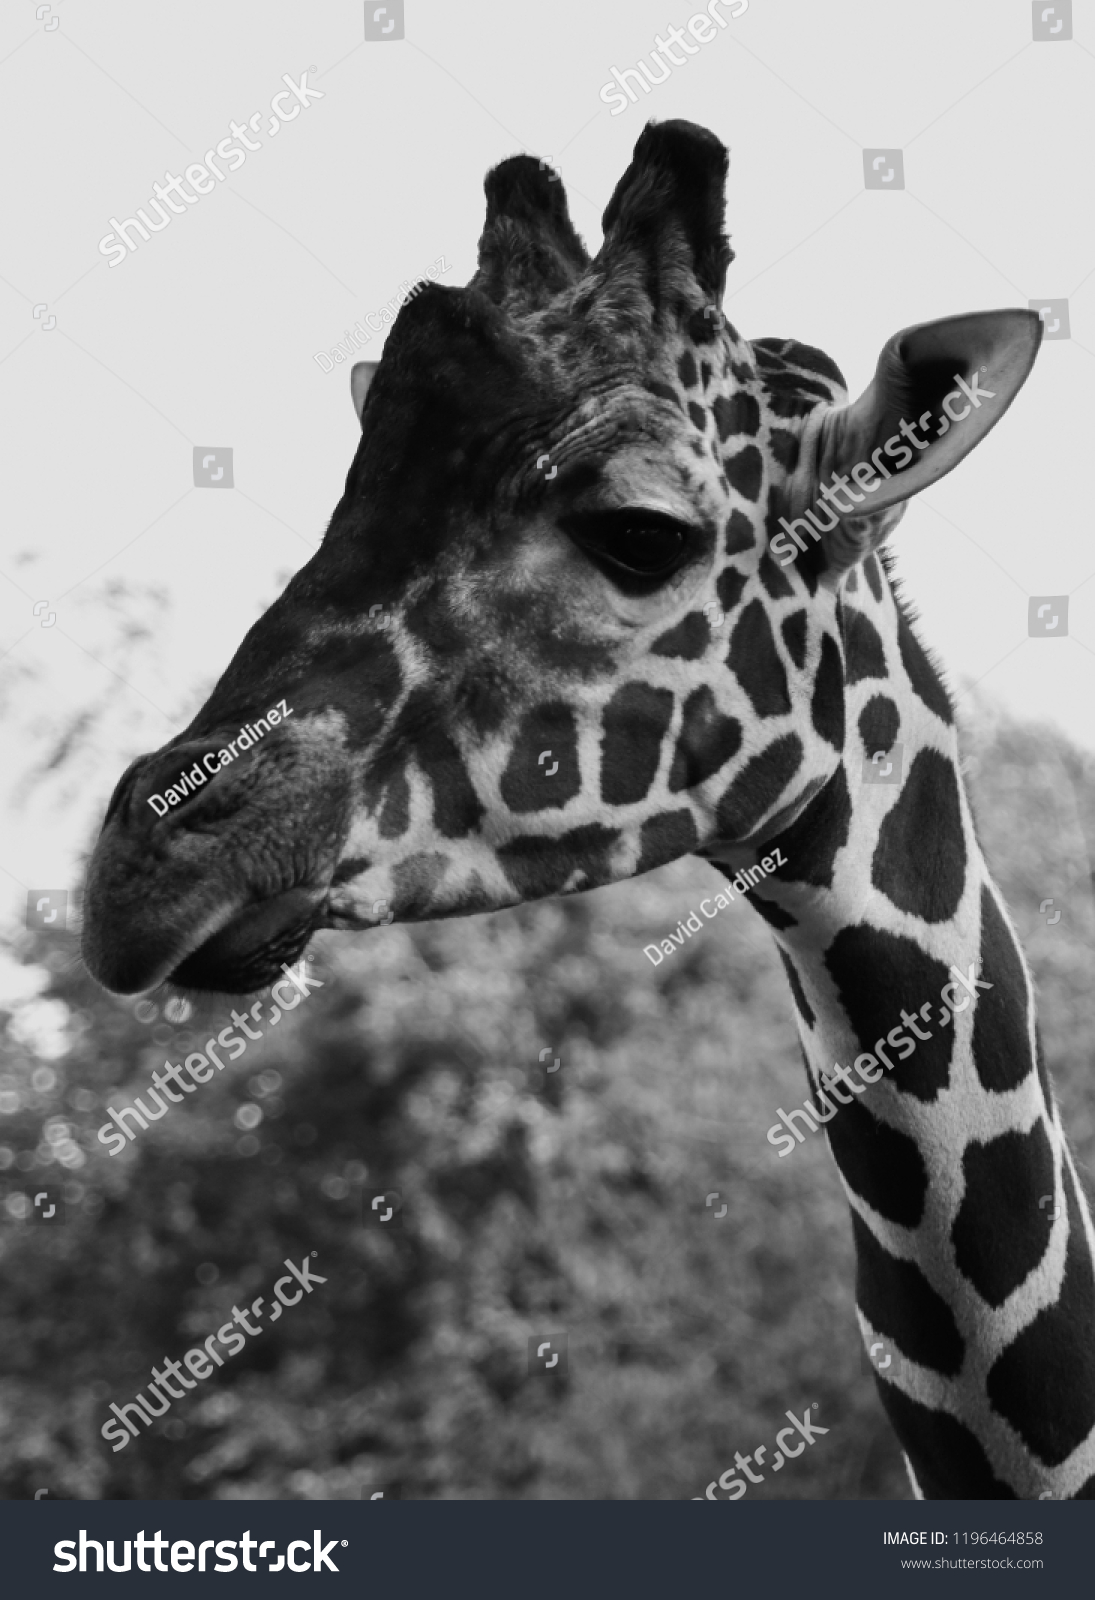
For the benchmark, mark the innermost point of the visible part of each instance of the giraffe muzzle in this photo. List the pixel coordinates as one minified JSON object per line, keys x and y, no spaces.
{"x":231,"y":884}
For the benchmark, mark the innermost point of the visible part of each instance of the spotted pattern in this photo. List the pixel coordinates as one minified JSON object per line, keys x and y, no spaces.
{"x":745,"y":472}
{"x":778,"y":587}
{"x":350,"y":869}
{"x":879,"y":724}
{"x":948,"y":1460}
{"x":666,"y":837}
{"x":919,"y":862}
{"x":784,"y":446}
{"x":415,"y":880}
{"x":457,"y":809}
{"x":1044,"y":1383}
{"x":537,"y":866}
{"x":635,"y":722}
{"x":811,"y":843}
{"x":882,"y":1165}
{"x":1001,"y":1043}
{"x":793,"y":632}
{"x":915,"y":855}
{"x":1004,"y":1179}
{"x":756,"y":662}
{"x":707,"y":741}
{"x":730,"y":588}
{"x":827,"y":702}
{"x":904,"y":979}
{"x":360,"y":675}
{"x":687,"y":641}
{"x":546,"y":735}
{"x":799,"y":994}
{"x":664,"y":392}
{"x":873,"y":577}
{"x":863,"y":650}
{"x":856,"y":883}
{"x":922,"y":676}
{"x":775,"y":916}
{"x":758,"y":786}
{"x":739,"y":413}
{"x":739,"y":534}
{"x":897,"y":1299}
{"x":396,"y":813}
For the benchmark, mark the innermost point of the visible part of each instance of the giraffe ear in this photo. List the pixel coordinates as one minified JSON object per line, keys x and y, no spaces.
{"x":937,"y":391}
{"x":529,"y":248}
{"x":362,"y":374}
{"x":671,"y":202}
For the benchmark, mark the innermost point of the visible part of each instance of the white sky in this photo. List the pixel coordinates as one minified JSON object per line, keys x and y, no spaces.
{"x":206,"y":335}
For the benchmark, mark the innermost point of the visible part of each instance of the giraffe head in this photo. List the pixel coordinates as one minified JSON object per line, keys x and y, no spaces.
{"x":545,"y":644}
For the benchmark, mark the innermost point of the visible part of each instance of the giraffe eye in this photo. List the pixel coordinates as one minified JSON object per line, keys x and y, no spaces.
{"x":631,"y":543}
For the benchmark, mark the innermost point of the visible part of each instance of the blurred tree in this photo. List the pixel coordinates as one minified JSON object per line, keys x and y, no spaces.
{"x":533,"y":1201}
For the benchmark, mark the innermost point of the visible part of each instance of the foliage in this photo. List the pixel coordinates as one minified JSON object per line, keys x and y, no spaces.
{"x":535,"y":1202}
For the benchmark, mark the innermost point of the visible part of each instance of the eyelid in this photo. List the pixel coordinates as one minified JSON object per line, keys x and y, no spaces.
{"x":596,"y":531}
{"x":616,"y":520}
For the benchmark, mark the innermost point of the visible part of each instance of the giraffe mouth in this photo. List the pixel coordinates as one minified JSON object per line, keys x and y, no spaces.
{"x":247,"y":951}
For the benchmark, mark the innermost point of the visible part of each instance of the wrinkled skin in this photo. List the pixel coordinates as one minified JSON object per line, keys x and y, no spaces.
{"x":542,"y":646}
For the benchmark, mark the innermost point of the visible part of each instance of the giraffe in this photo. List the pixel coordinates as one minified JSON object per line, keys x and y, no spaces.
{"x":546,"y":645}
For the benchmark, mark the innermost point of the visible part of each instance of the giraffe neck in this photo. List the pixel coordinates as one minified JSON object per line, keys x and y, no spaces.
{"x":973,"y":1240}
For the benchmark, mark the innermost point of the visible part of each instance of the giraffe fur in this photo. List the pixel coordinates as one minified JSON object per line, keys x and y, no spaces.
{"x":545,"y":646}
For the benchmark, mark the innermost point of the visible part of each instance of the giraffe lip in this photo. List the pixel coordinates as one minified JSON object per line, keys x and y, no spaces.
{"x":247,"y":950}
